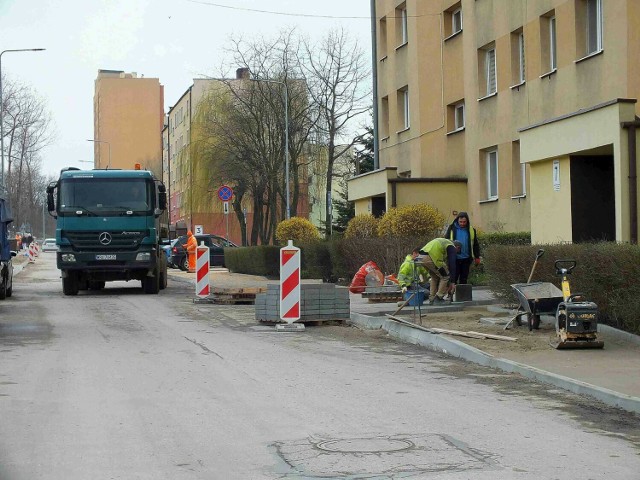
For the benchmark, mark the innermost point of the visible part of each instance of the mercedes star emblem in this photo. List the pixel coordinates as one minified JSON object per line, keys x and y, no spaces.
{"x":104,"y":238}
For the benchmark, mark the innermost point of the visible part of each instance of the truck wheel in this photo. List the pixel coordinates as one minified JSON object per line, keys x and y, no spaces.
{"x":3,"y":289}
{"x":151,"y":285}
{"x":9,"y":291}
{"x":163,"y":280}
{"x":70,"y":284}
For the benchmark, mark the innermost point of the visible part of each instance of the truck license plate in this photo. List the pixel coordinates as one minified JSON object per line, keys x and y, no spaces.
{"x":105,"y":257}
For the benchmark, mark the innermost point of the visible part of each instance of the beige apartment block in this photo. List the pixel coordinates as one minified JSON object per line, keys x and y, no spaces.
{"x":522,"y":112}
{"x":128,"y":115}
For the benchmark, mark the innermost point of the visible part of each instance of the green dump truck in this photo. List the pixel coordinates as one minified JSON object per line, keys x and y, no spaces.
{"x":108,"y":228}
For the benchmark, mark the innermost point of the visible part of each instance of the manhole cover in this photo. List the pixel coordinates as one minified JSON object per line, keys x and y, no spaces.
{"x":365,"y":445}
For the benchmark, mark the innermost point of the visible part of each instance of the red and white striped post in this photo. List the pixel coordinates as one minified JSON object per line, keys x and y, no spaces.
{"x":202,"y":271}
{"x":32,"y":253}
{"x":290,"y":283}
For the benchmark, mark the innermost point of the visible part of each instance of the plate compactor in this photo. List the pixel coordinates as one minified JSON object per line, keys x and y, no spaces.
{"x":576,"y":318}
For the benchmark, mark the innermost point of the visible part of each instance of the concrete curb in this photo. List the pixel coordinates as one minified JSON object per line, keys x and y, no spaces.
{"x":457,"y":349}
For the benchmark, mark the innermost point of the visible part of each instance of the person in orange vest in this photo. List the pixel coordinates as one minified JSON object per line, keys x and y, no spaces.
{"x":192,"y":245}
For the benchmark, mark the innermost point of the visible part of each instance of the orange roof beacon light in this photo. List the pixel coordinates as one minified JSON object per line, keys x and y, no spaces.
{"x":137,"y":166}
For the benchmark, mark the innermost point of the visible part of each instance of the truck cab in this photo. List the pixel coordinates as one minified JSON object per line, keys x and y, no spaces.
{"x":107,"y":228}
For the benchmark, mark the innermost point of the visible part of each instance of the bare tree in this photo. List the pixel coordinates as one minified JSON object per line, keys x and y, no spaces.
{"x":337,"y":75}
{"x":27,"y":131}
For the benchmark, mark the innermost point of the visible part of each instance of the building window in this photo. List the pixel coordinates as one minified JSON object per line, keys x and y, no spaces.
{"x":548,"y":35}
{"x":518,"y":75}
{"x":403,"y":109}
{"x":588,"y":27}
{"x":553,"y":53}
{"x":384,"y":117}
{"x":491,"y":169}
{"x":487,"y":78}
{"x":459,"y":116}
{"x":453,"y":20}
{"x":518,"y":172}
{"x":594,"y":26}
{"x":455,"y":116}
{"x":382,"y":32}
{"x":402,"y":31}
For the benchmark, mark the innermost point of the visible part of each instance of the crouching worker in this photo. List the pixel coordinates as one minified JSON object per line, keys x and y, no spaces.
{"x":412,"y":271}
{"x":439,"y":258}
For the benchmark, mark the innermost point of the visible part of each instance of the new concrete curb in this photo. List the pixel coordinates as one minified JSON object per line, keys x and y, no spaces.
{"x":454,"y":348}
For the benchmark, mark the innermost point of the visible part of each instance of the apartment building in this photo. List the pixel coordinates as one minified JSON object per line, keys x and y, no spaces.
{"x":128,"y":115}
{"x":193,"y":197}
{"x":521,"y":112}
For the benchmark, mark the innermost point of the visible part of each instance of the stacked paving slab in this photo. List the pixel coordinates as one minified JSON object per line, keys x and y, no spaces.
{"x":318,"y":302}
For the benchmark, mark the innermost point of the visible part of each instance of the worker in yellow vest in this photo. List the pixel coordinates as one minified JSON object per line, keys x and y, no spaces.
{"x":439,"y":258}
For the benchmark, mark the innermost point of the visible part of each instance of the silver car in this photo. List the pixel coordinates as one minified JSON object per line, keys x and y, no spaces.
{"x":49,"y":245}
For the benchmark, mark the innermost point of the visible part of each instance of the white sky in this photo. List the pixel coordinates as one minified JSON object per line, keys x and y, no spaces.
{"x":173,"y":40}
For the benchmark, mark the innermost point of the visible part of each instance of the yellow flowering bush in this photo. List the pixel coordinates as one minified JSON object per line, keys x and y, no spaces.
{"x":421,"y":220}
{"x":297,"y":229}
{"x":363,"y":225}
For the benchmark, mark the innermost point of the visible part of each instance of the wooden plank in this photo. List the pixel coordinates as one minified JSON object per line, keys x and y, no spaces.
{"x":497,"y":337}
{"x":458,"y":333}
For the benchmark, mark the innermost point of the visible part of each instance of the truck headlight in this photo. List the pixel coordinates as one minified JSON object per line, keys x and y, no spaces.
{"x":68,"y":257}
{"x":143,"y":257}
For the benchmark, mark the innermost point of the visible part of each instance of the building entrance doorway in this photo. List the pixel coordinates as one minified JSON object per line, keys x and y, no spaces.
{"x":593,"y":208}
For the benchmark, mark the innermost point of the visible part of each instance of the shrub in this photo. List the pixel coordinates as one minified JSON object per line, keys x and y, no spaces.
{"x":502,"y":238}
{"x":297,"y":229}
{"x":420,"y":220}
{"x":363,"y":225}
{"x":261,"y":260}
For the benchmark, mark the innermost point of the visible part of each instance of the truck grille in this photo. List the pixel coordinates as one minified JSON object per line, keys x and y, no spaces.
{"x":111,"y":240}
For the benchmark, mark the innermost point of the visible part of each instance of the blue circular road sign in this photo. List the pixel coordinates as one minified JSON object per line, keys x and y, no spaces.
{"x":225,"y":193}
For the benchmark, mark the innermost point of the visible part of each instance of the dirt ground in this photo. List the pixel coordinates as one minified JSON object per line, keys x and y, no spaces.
{"x":469,"y":320}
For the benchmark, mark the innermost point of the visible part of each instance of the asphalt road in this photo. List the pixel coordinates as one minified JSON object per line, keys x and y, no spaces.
{"x":120,"y":385}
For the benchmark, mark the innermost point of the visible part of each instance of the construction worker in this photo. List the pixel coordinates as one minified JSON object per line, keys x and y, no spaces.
{"x":461,"y":230}
{"x":192,"y":245}
{"x":410,"y":271}
{"x":439,"y":258}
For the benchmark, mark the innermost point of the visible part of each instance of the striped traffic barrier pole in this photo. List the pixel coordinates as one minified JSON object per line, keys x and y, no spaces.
{"x":202,"y":272}
{"x":290,"y":288}
{"x":32,"y":257}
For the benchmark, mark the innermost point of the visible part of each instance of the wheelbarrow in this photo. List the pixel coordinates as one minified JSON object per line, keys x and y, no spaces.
{"x":537,"y":298}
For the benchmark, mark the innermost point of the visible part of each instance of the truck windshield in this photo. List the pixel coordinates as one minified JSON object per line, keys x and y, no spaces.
{"x":100,"y":196}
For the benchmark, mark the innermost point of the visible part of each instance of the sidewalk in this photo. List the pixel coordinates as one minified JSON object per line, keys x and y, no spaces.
{"x":610,"y":375}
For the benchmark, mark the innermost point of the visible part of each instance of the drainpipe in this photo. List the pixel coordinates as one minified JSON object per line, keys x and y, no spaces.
{"x":374,"y":72}
{"x":633,"y":180}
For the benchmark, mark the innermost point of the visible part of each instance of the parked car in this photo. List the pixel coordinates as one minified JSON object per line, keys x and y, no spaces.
{"x":6,"y":277}
{"x":216,"y":246}
{"x":167,"y":250}
{"x":49,"y":245}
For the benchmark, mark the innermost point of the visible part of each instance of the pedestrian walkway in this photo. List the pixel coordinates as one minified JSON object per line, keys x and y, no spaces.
{"x":610,"y":374}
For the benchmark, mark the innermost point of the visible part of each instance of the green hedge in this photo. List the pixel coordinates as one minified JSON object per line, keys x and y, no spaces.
{"x":514,"y":238}
{"x":261,"y":260}
{"x":607,"y":273}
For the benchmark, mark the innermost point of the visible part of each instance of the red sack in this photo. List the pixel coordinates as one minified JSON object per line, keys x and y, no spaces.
{"x":358,"y":283}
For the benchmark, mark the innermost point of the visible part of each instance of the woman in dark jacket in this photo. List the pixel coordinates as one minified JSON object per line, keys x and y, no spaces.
{"x":461,"y":230}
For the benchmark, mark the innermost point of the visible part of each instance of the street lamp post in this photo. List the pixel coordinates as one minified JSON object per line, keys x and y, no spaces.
{"x":286,"y":135}
{"x":108,"y":145}
{"x":2,"y":112}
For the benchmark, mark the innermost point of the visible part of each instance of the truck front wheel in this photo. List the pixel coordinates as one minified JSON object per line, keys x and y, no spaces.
{"x":70,"y":284}
{"x":151,"y":285}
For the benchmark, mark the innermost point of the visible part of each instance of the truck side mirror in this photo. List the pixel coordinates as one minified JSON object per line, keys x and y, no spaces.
{"x":162,"y":200}
{"x":51,"y":204}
